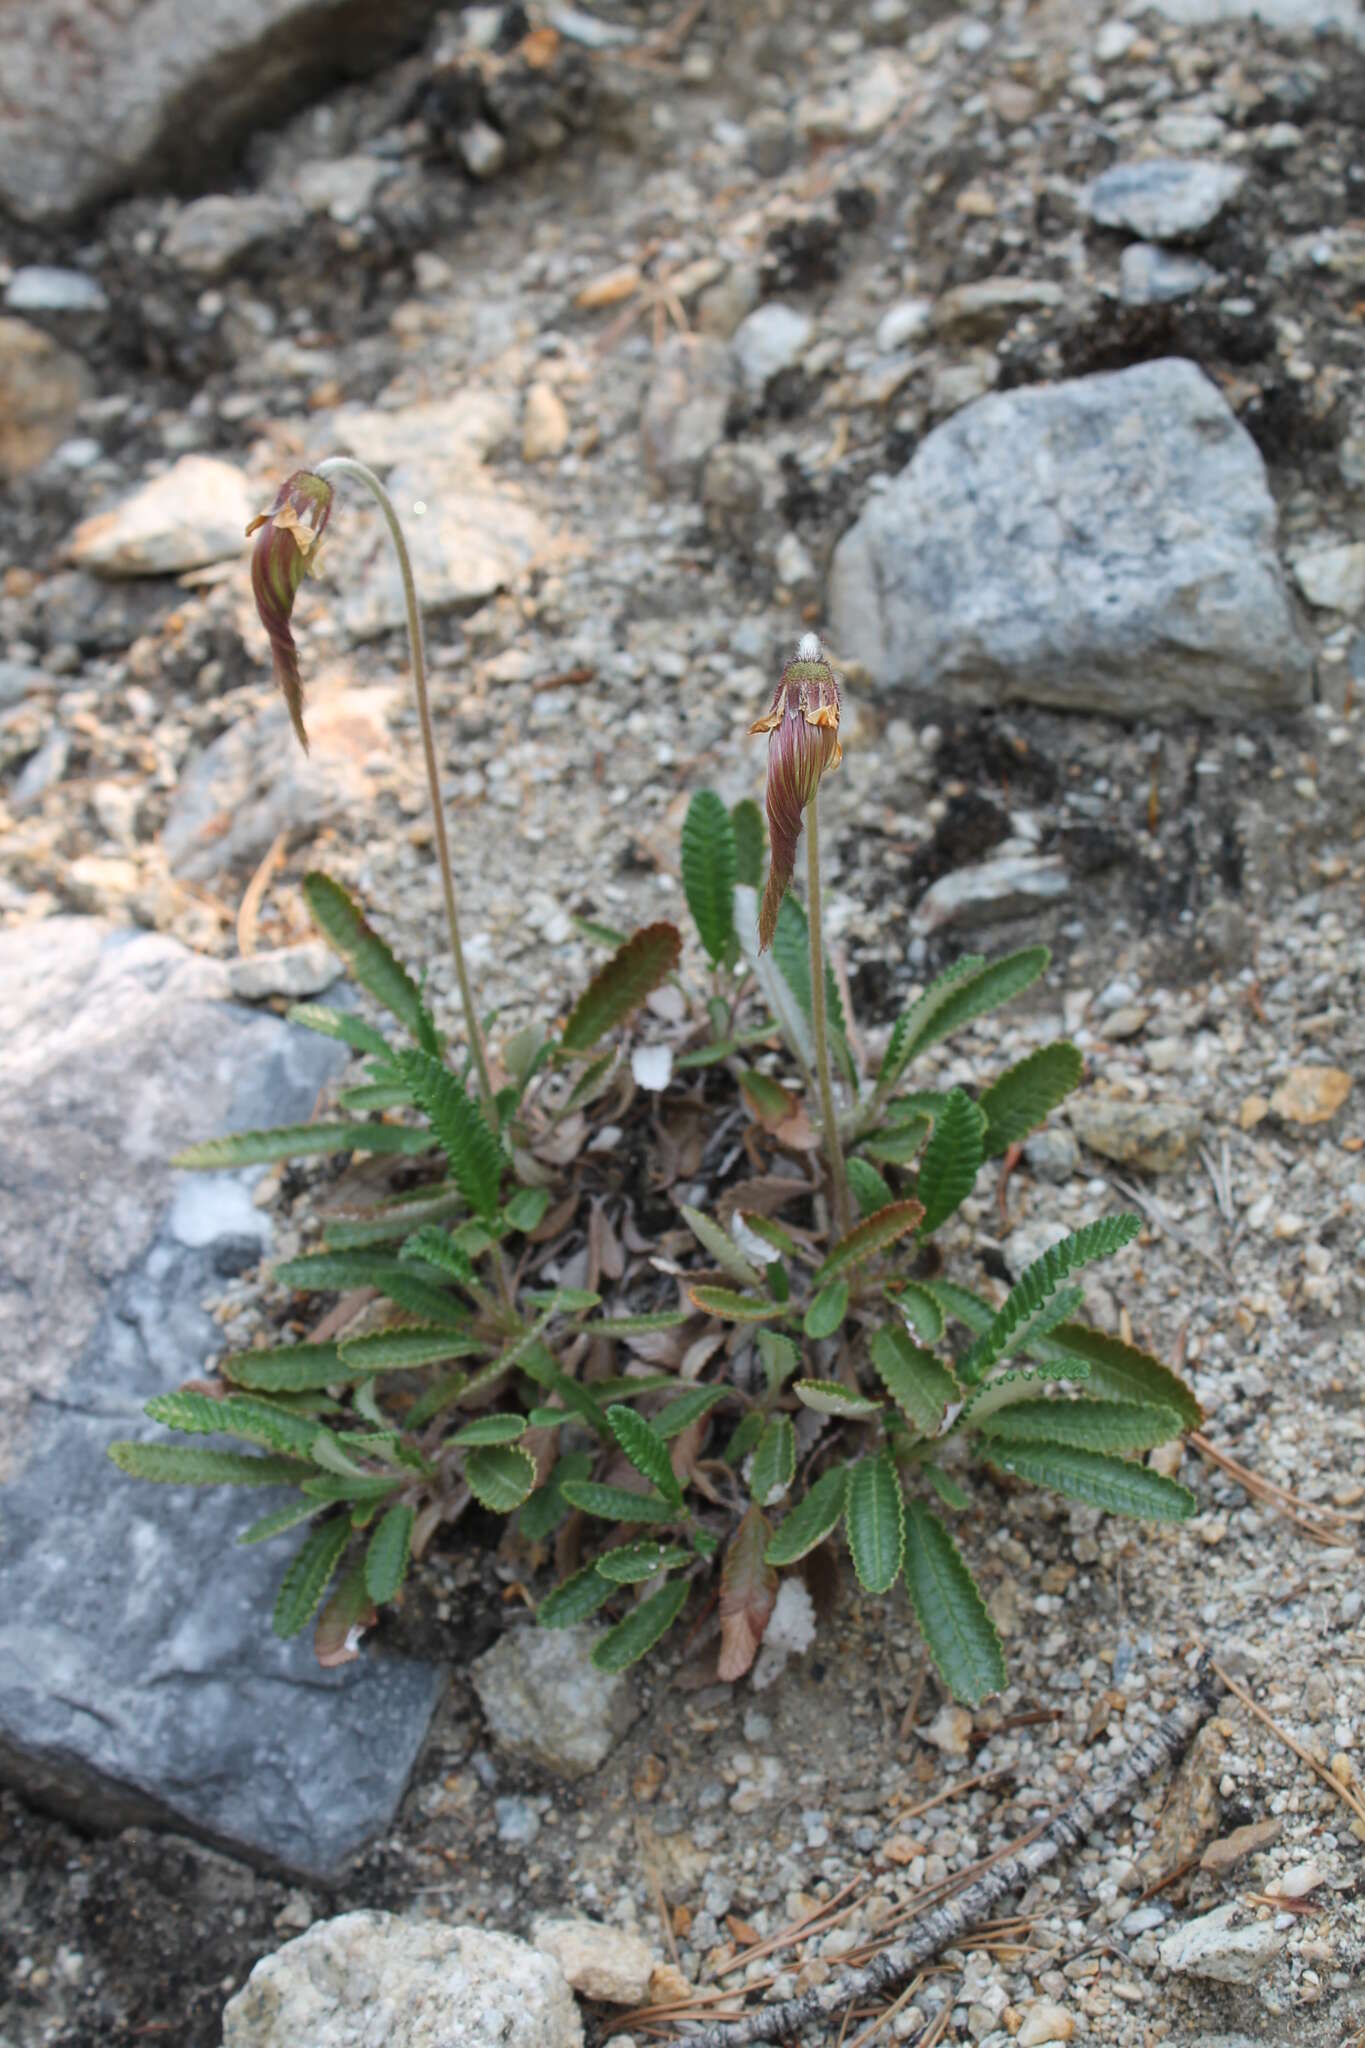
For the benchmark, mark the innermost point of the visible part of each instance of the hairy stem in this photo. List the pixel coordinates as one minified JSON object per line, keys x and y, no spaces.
{"x":834,"y":1149}
{"x":343,"y":465}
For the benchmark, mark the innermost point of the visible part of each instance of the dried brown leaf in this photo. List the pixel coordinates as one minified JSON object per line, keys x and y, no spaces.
{"x":748,"y":1589}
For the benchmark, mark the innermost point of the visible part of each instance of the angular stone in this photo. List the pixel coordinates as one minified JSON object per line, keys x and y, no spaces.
{"x":1286,"y":17}
{"x":542,"y":1698}
{"x":1149,"y":276}
{"x":773,"y":338}
{"x":47,"y":288}
{"x":294,"y":971}
{"x":996,"y":889}
{"x":155,"y":92}
{"x":139,"y":1678}
{"x":211,"y":234}
{"x":603,"y":1962}
{"x":975,"y":312}
{"x":1333,"y":578}
{"x":1154,"y":1136}
{"x":194,"y":513}
{"x":1163,"y":199}
{"x":1223,"y":1945}
{"x":41,"y":385}
{"x":544,"y":424}
{"x":369,"y":1978}
{"x":1105,"y":544}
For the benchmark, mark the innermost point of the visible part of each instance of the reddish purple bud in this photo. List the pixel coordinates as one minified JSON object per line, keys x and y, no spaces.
{"x":286,"y":548}
{"x":802,"y":724}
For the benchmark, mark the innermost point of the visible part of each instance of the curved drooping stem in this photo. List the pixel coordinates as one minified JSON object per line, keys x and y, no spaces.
{"x":834,"y":1150}
{"x":345,"y":465}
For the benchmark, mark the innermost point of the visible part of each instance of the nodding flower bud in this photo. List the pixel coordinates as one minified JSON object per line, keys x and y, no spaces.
{"x":287,"y":539}
{"x":802,"y":724}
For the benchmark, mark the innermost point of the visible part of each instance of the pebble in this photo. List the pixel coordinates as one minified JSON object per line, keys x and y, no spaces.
{"x":772,"y":339}
{"x":517,"y":1821}
{"x":1162,"y":199}
{"x":45,"y":288}
{"x":907,"y":321}
{"x":544,"y":1699}
{"x":1052,"y":1154}
{"x":294,"y":971}
{"x":1043,"y":2024}
{"x":1333,"y":578}
{"x":1153,"y":1136}
{"x":1223,"y":1945}
{"x":994,"y":890}
{"x":544,"y":424}
{"x":194,"y":513}
{"x":1151,"y":276}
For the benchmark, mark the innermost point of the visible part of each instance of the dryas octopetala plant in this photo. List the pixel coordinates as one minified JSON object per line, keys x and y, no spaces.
{"x":783,"y":1364}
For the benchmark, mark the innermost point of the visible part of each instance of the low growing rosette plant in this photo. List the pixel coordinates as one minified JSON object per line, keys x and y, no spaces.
{"x":779,"y":1367}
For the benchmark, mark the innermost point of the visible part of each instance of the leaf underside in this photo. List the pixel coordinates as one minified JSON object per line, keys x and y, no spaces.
{"x":633,"y":972}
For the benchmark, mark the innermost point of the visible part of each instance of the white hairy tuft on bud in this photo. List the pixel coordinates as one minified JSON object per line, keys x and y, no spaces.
{"x":808,"y":647}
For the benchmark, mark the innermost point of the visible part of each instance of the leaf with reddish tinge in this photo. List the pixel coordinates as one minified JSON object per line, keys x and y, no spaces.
{"x":633,"y":972}
{"x":748,"y":1588}
{"x":872,"y":1235}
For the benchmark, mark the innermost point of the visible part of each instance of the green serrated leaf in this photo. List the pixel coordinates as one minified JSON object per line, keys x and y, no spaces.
{"x":1003,"y":1389}
{"x":405,"y":1350}
{"x":952,"y":1159}
{"x":344,"y":927}
{"x":308,"y":1577}
{"x":546,"y":1508}
{"x":578,"y":1599}
{"x":870,"y":1191}
{"x":774,"y":1466}
{"x":442,"y":1394}
{"x":918,"y":1384}
{"x":723,"y":1250}
{"x":634,"y":971}
{"x":634,"y":1637}
{"x":637,"y":1326}
{"x":635,"y":1562}
{"x":285,"y":1368}
{"x":957,"y":997}
{"x":958,"y":1632}
{"x":366,"y":1486}
{"x":340,"y":1272}
{"x":1100,"y":1481}
{"x":734,"y":1308}
{"x":326,"y":1451}
{"x":968,"y":1308}
{"x":386,"y":1559}
{"x":618,"y":1503}
{"x":438,"y":1248}
{"x":829,"y":1397}
{"x":490,"y":1429}
{"x":689,"y":1407}
{"x":826,"y":1311}
{"x":343,"y":1025}
{"x":282,"y":1519}
{"x":751,"y":842}
{"x":947,"y":1489}
{"x":303,"y":1141}
{"x":1084,"y":1424}
{"x":791,"y":951}
{"x":900,"y":1046}
{"x":188,"y":1465}
{"x":1026,"y":1094}
{"x":500,"y":1476}
{"x":921,"y":1311}
{"x":780,"y":1357}
{"x":1120,"y":1370}
{"x":393,"y":1220}
{"x":476,"y":1158}
{"x":709,"y":869}
{"x":526,"y":1210}
{"x":1034,"y":1329}
{"x":375,"y":1095}
{"x":200,"y":1415}
{"x":647,"y":1452}
{"x":1093,"y":1241}
{"x":746,"y":1435}
{"x":898,"y":1144}
{"x":872,"y":1235}
{"x":874,"y":1522}
{"x":811,"y":1520}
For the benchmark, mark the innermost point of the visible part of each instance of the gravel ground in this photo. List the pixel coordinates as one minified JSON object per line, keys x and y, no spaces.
{"x":1207,"y":948}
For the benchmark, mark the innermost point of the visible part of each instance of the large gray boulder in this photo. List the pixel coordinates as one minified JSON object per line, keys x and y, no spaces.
{"x":1105,"y":544}
{"x":105,"y":100}
{"x":139,"y":1679}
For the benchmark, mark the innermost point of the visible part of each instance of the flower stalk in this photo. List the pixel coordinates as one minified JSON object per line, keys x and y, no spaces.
{"x":834,"y":1151}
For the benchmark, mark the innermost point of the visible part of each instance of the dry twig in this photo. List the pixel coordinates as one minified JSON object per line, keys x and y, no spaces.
{"x":949,"y":1922}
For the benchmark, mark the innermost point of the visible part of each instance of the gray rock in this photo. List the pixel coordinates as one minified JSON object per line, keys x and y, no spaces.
{"x":1052,"y":1154}
{"x":211,"y":235}
{"x":370,"y":1978}
{"x":599,"y":1961}
{"x":252,"y":781}
{"x":543,"y":1699}
{"x":685,"y":409}
{"x":517,"y":1821}
{"x":1149,"y":276}
{"x":1162,"y":199}
{"x":342,"y":187}
{"x":1107,"y":544}
{"x":908,"y":320}
{"x":139,"y":1679}
{"x":739,"y":493}
{"x":41,"y":385}
{"x":1219,"y":1946}
{"x":770,"y":141}
{"x":773,"y":338}
{"x":995,"y":889}
{"x":295,"y":971}
{"x":1153,"y":1136}
{"x":194,"y":513}
{"x":483,"y":150}
{"x":1291,"y":17}
{"x":1333,"y":578}
{"x":159,"y":92}
{"x":18,"y":680}
{"x":44,"y":288}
